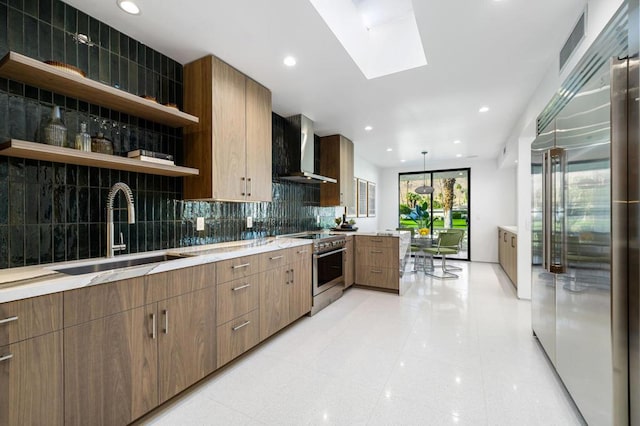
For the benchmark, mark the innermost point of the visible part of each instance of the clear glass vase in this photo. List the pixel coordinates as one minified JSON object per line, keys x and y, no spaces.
{"x":55,"y":132}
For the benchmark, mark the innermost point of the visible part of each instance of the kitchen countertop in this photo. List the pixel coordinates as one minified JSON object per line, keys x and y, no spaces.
{"x":373,"y":234}
{"x":512,"y":229}
{"x":38,"y":280}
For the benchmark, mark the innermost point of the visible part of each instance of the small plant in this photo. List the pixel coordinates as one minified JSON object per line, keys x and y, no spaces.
{"x":352,"y":222}
{"x":338,"y":221}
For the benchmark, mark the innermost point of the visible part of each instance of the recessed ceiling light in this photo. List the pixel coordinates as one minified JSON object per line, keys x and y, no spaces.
{"x":368,"y":128}
{"x":484,"y":109}
{"x":456,"y":142}
{"x":402,"y":161}
{"x":516,"y":161}
{"x":129,"y":7}
{"x":290,"y":61}
{"x":458,"y":155}
{"x":389,"y":149}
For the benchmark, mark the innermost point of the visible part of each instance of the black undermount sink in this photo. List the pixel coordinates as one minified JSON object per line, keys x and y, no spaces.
{"x":116,"y":264}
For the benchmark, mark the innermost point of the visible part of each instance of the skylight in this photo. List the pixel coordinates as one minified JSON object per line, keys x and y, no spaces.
{"x":381,"y":36}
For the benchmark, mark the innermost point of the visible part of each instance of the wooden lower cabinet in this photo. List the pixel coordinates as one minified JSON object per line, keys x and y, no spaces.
{"x":508,"y":254}
{"x":31,"y":382}
{"x":111,"y":368}
{"x":377,"y":262}
{"x":285,"y":294}
{"x":274,"y":301}
{"x":299,"y":288}
{"x":187,"y":341}
{"x":120,"y":366}
{"x":238,"y":336}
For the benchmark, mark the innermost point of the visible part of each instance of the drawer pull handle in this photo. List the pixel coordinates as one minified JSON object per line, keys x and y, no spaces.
{"x":302,"y":251}
{"x":244,"y":324}
{"x":10,"y":319}
{"x":6,"y":357}
{"x":153,"y":326}
{"x":241,"y":287}
{"x":276,"y":257}
{"x":376,"y":241}
{"x":244,"y":265}
{"x":375,"y":271}
{"x":376,"y":251}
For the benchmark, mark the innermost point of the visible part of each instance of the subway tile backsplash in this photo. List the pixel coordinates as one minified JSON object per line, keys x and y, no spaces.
{"x":52,"y":212}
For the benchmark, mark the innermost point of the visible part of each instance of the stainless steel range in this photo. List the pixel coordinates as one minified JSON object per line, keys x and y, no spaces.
{"x":328,"y":268}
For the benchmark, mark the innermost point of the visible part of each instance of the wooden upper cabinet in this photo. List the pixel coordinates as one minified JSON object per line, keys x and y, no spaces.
{"x":231,"y":145}
{"x":336,"y":161}
{"x":259,"y":141}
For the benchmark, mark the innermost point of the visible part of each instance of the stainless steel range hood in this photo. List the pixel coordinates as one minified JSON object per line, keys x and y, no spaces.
{"x":299,"y":142}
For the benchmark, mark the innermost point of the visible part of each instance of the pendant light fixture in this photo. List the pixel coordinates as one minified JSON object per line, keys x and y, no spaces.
{"x":424,"y":189}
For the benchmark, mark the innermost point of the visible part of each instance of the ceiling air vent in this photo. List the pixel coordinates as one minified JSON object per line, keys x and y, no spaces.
{"x":577,"y":35}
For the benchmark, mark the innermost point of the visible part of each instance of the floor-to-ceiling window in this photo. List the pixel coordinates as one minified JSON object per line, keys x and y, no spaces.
{"x":447,"y":207}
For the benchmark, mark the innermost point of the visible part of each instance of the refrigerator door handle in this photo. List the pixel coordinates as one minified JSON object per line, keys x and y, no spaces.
{"x":546,"y":208}
{"x":557,"y":251}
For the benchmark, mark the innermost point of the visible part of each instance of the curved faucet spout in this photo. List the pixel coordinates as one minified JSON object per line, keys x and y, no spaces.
{"x":128,"y":194}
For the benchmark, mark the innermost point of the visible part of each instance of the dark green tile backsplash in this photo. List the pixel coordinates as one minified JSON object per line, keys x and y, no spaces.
{"x":51,"y":212}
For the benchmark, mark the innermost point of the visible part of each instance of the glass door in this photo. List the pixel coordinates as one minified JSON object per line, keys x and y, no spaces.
{"x":447,"y":207}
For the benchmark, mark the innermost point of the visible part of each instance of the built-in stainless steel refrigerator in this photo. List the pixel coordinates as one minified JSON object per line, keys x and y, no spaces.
{"x":580,"y":230}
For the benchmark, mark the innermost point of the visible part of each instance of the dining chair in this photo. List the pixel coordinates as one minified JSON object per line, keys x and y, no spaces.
{"x":448,"y":243}
{"x":461,"y":232}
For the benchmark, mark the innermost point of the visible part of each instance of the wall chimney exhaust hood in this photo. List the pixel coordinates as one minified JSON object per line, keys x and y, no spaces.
{"x":299,"y":143}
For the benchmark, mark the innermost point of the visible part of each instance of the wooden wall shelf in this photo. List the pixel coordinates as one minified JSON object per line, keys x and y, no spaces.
{"x":38,"y":151}
{"x":38,"y":74}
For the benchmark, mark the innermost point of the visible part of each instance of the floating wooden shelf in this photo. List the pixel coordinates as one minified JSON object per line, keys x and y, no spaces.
{"x":38,"y":74}
{"x":38,"y":151}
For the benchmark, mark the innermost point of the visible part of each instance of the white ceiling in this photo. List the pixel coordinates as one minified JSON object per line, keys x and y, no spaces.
{"x":479,"y":52}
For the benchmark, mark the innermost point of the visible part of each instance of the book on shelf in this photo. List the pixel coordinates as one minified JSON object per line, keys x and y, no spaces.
{"x":147,"y":153}
{"x":154,"y":160}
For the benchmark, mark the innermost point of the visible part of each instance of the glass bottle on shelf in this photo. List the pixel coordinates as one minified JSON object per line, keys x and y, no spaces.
{"x":55,"y":132}
{"x":83,"y":139}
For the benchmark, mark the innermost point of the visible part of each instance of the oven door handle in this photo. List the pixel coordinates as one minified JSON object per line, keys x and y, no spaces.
{"x":318,"y":256}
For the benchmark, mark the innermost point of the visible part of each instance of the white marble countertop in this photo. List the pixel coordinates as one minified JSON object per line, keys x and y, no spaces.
{"x":513,"y":229}
{"x":373,"y":233}
{"x":37,"y":280}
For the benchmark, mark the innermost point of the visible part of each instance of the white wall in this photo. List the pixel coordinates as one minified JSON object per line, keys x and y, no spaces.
{"x":493,"y":202}
{"x":365,"y":170}
{"x":599,"y":12}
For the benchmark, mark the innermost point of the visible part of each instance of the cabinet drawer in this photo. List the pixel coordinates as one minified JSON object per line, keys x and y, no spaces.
{"x":238,"y":336}
{"x":239,"y":267}
{"x":371,"y":241}
{"x":237,"y":297}
{"x":384,"y":257}
{"x":275,"y":259}
{"x":377,"y":277}
{"x":27,"y":318}
{"x":300,"y":253}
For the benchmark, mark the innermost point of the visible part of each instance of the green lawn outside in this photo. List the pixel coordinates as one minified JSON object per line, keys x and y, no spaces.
{"x":437,"y":224}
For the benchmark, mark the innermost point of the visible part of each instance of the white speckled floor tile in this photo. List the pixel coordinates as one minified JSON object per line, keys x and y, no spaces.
{"x":449,"y":352}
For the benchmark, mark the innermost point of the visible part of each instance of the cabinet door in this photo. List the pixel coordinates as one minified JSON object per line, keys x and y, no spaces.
{"x":274,"y":301}
{"x":110,"y":368}
{"x":258,"y":142}
{"x":31,"y":382}
{"x":229,"y":138}
{"x":187,"y":340}
{"x":299,"y":288}
{"x":349,"y":270}
{"x":346,"y":172}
